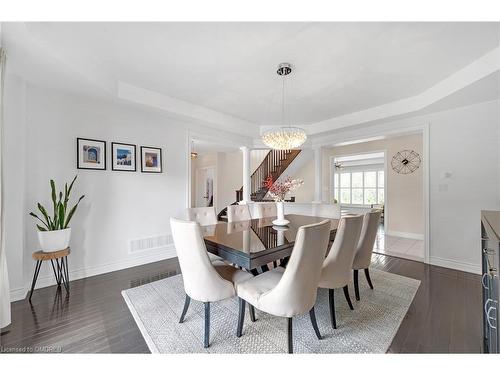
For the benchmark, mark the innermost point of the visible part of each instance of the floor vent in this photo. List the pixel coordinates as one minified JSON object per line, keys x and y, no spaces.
{"x":150,"y":243}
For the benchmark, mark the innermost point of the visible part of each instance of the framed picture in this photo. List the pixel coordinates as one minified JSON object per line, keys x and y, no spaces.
{"x":123,"y":157}
{"x":151,"y":159}
{"x":91,"y":154}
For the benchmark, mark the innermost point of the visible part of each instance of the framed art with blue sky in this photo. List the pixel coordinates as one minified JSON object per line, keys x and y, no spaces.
{"x":91,"y":154}
{"x":123,"y":157}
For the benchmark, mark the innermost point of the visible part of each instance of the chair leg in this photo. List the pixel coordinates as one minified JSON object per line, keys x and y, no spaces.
{"x":185,"y":309}
{"x":275,"y":264}
{"x":290,"y":336}
{"x":348,"y":297}
{"x":241,"y":317}
{"x":356,"y":285}
{"x":252,"y":313}
{"x":367,"y":274}
{"x":331,"y":298}
{"x":207,"y":324}
{"x":312,"y":315}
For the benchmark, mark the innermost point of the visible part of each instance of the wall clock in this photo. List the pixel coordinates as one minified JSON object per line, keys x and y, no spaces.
{"x":406,"y":161}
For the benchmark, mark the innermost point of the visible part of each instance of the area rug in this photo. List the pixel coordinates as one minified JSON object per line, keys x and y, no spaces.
{"x":370,"y":328}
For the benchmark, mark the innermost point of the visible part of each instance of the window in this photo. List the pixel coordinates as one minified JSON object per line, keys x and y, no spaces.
{"x":359,"y":187}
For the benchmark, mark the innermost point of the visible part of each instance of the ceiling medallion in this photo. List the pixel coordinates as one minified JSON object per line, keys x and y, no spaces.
{"x":405,"y":162}
{"x":286,"y":137}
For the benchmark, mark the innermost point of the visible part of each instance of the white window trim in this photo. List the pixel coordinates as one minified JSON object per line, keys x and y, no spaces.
{"x":367,"y":168}
{"x":332,"y":180}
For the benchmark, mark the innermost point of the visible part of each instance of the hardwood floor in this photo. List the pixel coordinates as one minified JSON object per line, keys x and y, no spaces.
{"x":445,"y":315}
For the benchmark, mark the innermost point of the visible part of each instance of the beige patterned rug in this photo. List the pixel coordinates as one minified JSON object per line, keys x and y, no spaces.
{"x":370,"y":328}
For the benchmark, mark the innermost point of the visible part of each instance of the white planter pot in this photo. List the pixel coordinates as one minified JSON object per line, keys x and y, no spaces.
{"x":55,"y":240}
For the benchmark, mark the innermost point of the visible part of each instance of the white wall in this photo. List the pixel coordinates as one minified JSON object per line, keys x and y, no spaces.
{"x":463,"y":143}
{"x":119,"y":206}
{"x":229,"y":176}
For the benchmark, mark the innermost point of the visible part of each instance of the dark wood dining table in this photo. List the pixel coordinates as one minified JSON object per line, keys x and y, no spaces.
{"x":255,"y":243}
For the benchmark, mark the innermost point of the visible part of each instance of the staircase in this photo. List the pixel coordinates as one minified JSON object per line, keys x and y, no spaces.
{"x":274,"y":164}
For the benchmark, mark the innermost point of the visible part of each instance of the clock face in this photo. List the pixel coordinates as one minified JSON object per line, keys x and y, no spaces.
{"x":406,"y":161}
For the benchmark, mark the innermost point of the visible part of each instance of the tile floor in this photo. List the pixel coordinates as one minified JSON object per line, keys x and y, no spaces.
{"x":398,"y":246}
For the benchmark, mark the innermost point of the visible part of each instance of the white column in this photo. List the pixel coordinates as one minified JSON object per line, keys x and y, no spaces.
{"x":246,"y":174}
{"x":318,"y":175}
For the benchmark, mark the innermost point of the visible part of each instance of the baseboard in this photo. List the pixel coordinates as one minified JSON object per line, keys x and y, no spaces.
{"x":411,"y":236}
{"x":42,"y":282}
{"x":461,"y":266}
{"x":17,"y":294}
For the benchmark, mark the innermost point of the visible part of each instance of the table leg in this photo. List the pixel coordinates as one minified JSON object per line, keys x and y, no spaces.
{"x":35,"y":276}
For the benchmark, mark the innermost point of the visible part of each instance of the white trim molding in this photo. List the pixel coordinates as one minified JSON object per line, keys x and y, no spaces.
{"x":453,"y":264}
{"x":411,"y":236}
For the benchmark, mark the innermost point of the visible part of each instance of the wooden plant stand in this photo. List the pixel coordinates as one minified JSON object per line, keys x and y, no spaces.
{"x":60,"y":268}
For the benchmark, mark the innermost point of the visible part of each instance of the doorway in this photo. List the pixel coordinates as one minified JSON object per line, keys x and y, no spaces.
{"x":385,"y":174}
{"x":204,"y":182}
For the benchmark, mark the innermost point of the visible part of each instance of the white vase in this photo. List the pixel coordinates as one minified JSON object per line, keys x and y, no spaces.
{"x":54,"y":240}
{"x":280,"y":213}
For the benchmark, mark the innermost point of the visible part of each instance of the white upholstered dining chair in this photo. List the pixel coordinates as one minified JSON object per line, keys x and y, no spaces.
{"x":266,"y":210}
{"x":292,"y":291}
{"x":363,"y":257}
{"x":336,"y":271}
{"x":204,"y":281}
{"x":202,"y":215}
{"x":238,"y":212}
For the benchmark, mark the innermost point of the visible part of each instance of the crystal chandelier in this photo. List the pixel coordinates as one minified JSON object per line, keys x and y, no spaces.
{"x":286,"y":137}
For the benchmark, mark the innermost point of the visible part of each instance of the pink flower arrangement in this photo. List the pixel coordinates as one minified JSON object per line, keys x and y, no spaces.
{"x":279,"y":189}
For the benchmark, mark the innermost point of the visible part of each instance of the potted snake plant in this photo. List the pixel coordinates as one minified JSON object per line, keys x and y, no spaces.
{"x":54,"y":232}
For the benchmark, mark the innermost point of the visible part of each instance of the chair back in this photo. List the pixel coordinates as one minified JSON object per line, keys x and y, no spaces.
{"x":364,"y":250}
{"x":296,"y":292}
{"x":238,"y":212}
{"x":201,"y":280}
{"x":266,"y":210}
{"x":202,"y":215}
{"x":337,"y":266}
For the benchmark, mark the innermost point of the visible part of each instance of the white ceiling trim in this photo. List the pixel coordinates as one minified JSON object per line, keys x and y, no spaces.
{"x":198,"y":113}
{"x":479,"y":69}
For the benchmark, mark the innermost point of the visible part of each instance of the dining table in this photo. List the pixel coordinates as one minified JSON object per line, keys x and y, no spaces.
{"x":254,"y":244}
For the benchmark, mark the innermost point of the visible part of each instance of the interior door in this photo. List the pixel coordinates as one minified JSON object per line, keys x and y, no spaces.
{"x":205,"y":187}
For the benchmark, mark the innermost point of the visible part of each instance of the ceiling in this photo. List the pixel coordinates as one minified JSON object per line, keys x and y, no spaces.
{"x":339,"y":68}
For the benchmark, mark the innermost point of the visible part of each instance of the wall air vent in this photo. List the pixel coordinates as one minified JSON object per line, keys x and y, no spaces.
{"x":151,"y":243}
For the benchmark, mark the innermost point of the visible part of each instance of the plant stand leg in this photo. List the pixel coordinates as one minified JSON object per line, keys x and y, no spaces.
{"x":65,"y":273}
{"x":35,"y":277}
{"x":57,"y":274}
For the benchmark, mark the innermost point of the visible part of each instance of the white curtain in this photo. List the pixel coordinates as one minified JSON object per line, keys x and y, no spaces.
{"x":4,"y":276}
